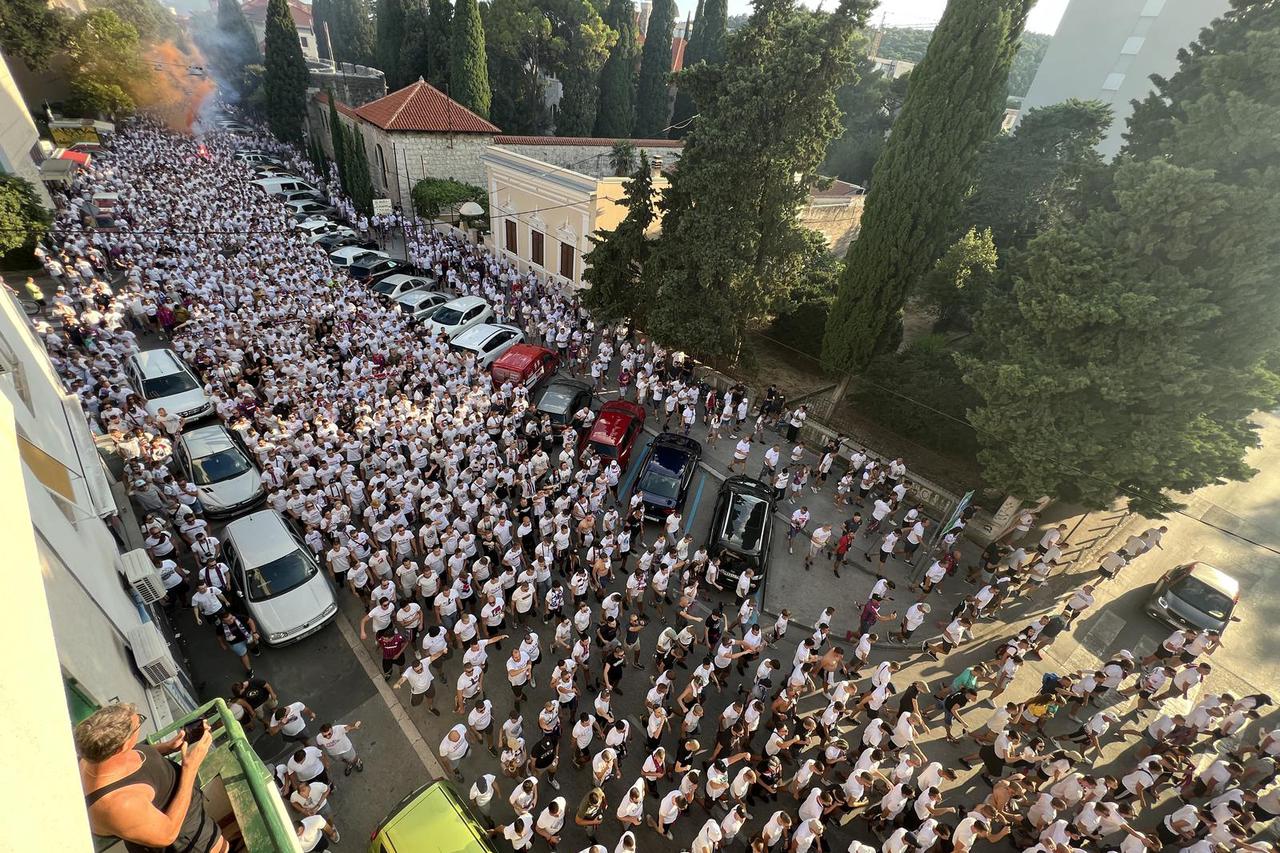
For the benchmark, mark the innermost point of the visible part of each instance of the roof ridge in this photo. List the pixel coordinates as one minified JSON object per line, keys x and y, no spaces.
{"x":414,"y":86}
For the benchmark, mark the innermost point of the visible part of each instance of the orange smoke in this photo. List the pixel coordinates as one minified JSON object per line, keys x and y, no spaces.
{"x":172,"y":93}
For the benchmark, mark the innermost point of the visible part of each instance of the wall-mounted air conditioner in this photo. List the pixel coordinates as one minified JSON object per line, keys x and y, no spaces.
{"x":151,"y":654}
{"x":141,"y":574}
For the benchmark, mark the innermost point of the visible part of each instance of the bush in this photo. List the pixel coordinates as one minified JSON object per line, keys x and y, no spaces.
{"x":895,"y":386}
{"x":432,"y":196}
{"x":802,"y":327}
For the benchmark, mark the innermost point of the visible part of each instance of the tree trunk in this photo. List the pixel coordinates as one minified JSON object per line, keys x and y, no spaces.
{"x":837,"y":394}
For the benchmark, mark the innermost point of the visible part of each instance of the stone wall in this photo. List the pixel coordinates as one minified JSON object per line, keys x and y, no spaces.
{"x":839,"y":223}
{"x":587,"y":156}
{"x":355,"y":85}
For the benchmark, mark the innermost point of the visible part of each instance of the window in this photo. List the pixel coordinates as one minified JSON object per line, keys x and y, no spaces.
{"x":535,"y":251}
{"x":511,"y":244}
{"x":567,"y":260}
{"x":79,"y":702}
{"x":382,"y":164}
{"x":302,"y":40}
{"x":1113,"y":82}
{"x":1132,"y":45}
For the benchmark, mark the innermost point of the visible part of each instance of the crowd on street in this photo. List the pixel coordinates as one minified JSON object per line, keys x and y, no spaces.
{"x":513,"y":589}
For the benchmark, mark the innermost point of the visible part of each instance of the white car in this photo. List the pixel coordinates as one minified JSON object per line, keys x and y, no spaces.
{"x":458,"y":315}
{"x":165,"y":381}
{"x":487,"y":341}
{"x":314,"y":229}
{"x":421,"y":304}
{"x":344,"y":257}
{"x":220,"y":467}
{"x":284,"y":590}
{"x":397,"y":284}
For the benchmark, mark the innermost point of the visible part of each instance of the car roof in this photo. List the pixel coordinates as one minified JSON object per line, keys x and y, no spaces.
{"x":1216,"y":578}
{"x":373,"y":260}
{"x":611,"y":424}
{"x":480,"y":333}
{"x":520,"y":356}
{"x":206,"y":440}
{"x":462,"y":303}
{"x":744,"y":485}
{"x":157,"y":362}
{"x":355,"y":252}
{"x":260,"y":537}
{"x":414,"y":298}
{"x":398,"y":277}
{"x":433,"y":822}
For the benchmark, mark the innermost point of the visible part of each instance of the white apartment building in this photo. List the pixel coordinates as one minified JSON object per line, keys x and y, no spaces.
{"x":1107,"y":50}
{"x":77,"y":635}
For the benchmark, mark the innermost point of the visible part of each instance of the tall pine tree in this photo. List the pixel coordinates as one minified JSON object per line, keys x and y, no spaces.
{"x":953,"y":107}
{"x":390,"y":35}
{"x":616,"y":114}
{"x":708,"y":46}
{"x":616,"y":261}
{"x":468,"y":65}
{"x":351,"y":32}
{"x":580,"y":44}
{"x":516,"y":34}
{"x":732,"y":249}
{"x":414,"y":48}
{"x":322,"y":17}
{"x":338,"y":139}
{"x":359,"y":181}
{"x":652,"y":101}
{"x":237,"y":47}
{"x":692,"y":55}
{"x":439,"y":31}
{"x":285,"y":81}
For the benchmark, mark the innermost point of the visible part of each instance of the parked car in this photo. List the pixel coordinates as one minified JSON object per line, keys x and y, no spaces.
{"x":561,"y":398}
{"x":284,"y":590}
{"x":371,"y":269}
{"x":525,"y":364}
{"x":742,"y":528}
{"x":313,"y":229}
{"x":487,"y":341}
{"x":433,"y":819}
{"x":347,"y":255}
{"x":458,"y":315}
{"x":309,"y":209}
{"x":399,"y":283}
{"x":1196,"y":596}
{"x":165,"y":381}
{"x":282,"y":184}
{"x":216,"y":462}
{"x":301,"y":195}
{"x":421,"y":304}
{"x":666,"y":472}
{"x":332,"y":242}
{"x":615,"y":431}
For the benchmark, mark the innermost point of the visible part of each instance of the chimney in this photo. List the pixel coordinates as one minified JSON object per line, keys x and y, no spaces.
{"x":655,"y":166}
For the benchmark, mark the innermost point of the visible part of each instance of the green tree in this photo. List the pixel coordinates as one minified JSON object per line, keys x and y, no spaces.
{"x":731,"y":248}
{"x":338,"y":140}
{"x":1138,"y":340}
{"x":153,"y":22}
{"x":390,"y":34}
{"x":90,"y":96}
{"x":869,"y":104}
{"x":579,"y":45}
{"x":684,"y":107}
{"x":104,"y":68}
{"x":622,"y":158}
{"x":516,"y":38}
{"x":953,"y":106}
{"x":468,"y":66}
{"x":322,"y":13}
{"x":909,"y":43}
{"x":439,"y":31}
{"x":1031,"y":50}
{"x":1044,"y":171}
{"x":236,"y":47}
{"x":709,"y":33}
{"x":31,"y":31}
{"x":652,"y":101}
{"x":414,"y":50}
{"x":434,"y":196}
{"x":23,"y":220}
{"x":351,"y":32}
{"x":359,"y":181}
{"x":616,"y":114}
{"x":616,"y":260}
{"x":285,"y":82}
{"x":960,"y":280}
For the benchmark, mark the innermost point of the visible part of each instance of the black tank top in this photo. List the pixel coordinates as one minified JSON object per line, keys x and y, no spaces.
{"x":199,"y":833}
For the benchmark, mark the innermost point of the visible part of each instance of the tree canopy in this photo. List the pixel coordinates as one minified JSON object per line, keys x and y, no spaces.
{"x":652,"y":101}
{"x":617,"y":260}
{"x":468,"y":65}
{"x":286,"y":77}
{"x":516,"y":35}
{"x":23,"y":219}
{"x":616,"y":113}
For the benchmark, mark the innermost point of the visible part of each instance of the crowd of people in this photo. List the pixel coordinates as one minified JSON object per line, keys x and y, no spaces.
{"x":513,"y":589}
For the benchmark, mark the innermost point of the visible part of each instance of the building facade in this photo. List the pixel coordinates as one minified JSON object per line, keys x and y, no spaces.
{"x":1107,"y":50}
{"x":78,"y":634}
{"x":256,"y":12}
{"x":18,"y":135}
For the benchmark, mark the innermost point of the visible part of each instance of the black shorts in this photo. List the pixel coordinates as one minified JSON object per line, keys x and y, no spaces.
{"x":417,"y":698}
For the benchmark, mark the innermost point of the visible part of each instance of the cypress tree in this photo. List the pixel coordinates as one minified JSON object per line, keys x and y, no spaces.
{"x":391,"y":21}
{"x":713,"y":29}
{"x":338,"y":140}
{"x":692,"y":53}
{"x":615,"y":263}
{"x":360,"y":183}
{"x":352,"y":32}
{"x":238,"y":46}
{"x":321,"y":14}
{"x":468,"y":65}
{"x":285,"y":81}
{"x":655,"y":69}
{"x":953,"y":107}
{"x":616,"y":113}
{"x":414,"y":47}
{"x":439,"y":28}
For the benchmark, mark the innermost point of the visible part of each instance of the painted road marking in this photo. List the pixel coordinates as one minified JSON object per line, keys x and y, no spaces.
{"x":697,"y":498}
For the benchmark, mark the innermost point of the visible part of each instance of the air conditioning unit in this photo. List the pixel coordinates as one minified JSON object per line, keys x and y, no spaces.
{"x":151,"y":654}
{"x":141,"y":574}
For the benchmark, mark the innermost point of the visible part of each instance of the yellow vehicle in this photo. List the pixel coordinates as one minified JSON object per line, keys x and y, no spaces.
{"x":433,"y":819}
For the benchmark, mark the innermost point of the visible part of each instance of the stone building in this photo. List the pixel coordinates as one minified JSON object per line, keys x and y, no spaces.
{"x":256,"y":12}
{"x":835,"y":212}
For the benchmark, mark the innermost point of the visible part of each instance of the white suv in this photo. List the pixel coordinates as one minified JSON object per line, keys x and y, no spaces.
{"x":165,"y":382}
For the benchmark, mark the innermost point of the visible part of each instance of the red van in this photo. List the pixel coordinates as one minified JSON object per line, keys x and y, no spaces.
{"x":525,"y":364}
{"x":616,"y":430}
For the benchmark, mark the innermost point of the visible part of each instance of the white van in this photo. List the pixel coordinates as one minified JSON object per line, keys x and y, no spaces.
{"x":282,"y":184}
{"x":284,"y":590}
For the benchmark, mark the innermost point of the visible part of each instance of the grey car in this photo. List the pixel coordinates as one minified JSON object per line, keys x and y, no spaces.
{"x":1196,"y":596}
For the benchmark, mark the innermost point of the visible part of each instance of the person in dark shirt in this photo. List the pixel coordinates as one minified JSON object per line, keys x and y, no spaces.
{"x":392,"y":643}
{"x":545,"y":759}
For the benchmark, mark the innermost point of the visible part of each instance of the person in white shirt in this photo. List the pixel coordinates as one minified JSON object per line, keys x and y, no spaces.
{"x":454,"y":747}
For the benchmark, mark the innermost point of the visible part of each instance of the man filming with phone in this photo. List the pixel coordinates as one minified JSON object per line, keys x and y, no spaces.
{"x":136,"y":794}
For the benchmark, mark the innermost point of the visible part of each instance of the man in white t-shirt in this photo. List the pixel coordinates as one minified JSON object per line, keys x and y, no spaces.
{"x":454,"y":747}
{"x":315,"y":833}
{"x":334,"y":739}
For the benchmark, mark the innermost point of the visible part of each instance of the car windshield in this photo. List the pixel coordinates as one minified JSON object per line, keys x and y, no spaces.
{"x":662,"y":475}
{"x":744,"y":523}
{"x":279,"y":576}
{"x":167,"y":386}
{"x":447,"y":316}
{"x":605,"y":451}
{"x":1203,"y":597}
{"x":556,"y":401}
{"x":217,"y":467}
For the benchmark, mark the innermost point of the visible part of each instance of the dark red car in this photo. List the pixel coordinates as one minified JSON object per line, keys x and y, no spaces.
{"x":616,"y":430}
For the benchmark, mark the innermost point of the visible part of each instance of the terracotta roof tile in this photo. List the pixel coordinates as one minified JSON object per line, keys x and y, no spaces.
{"x":423,"y":108}
{"x":256,"y":11}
